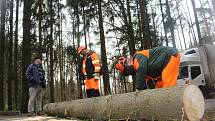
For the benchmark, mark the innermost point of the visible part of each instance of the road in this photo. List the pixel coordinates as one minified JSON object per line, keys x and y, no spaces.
{"x":210,"y":103}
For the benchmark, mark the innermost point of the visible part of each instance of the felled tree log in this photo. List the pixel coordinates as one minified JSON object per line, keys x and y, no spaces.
{"x":161,"y":104}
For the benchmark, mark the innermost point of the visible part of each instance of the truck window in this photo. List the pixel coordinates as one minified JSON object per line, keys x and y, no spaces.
{"x":183,"y":72}
{"x":195,"y":71}
{"x":190,"y":52}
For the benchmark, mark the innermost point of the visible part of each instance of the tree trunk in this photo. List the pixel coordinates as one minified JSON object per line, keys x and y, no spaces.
{"x":76,"y":13}
{"x":139,"y":25}
{"x":51,"y":55}
{"x":84,"y":27}
{"x":163,"y":104}
{"x":26,"y":51}
{"x":180,"y":20}
{"x":2,"y":43}
{"x":179,"y":39}
{"x":191,"y":25}
{"x":103,"y":52}
{"x":15,"y":55}
{"x":145,"y":24}
{"x":10,"y":60}
{"x":130,"y":44}
{"x":213,"y":3}
{"x":171,"y":23}
{"x":165,"y":30}
{"x":79,"y":87}
{"x":130,"y":29}
{"x":40,"y":26}
{"x":197,"y":23}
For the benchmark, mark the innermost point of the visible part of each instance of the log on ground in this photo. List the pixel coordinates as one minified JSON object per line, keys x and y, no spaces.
{"x":162,"y":104}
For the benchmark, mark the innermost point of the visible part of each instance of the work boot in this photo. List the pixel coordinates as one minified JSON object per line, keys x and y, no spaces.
{"x":30,"y":114}
{"x":40,"y":113}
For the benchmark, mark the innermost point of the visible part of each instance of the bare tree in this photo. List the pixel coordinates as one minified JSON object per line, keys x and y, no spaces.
{"x":171,"y":23}
{"x":197,"y":22}
{"x":103,"y":52}
{"x":2,"y":43}
{"x":10,"y":59}
{"x":26,"y":51}
{"x":180,"y":20}
{"x":16,"y":55}
{"x":165,"y":29}
{"x":51,"y":53}
{"x":145,"y":24}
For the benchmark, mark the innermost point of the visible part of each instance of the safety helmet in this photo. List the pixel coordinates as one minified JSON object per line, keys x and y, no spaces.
{"x":120,"y":64}
{"x":81,"y":48}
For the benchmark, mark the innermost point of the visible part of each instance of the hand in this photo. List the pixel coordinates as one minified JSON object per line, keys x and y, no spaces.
{"x":82,"y":82}
{"x":96,"y":76}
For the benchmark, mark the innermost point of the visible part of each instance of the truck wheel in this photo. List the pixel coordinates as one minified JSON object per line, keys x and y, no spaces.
{"x":204,"y":92}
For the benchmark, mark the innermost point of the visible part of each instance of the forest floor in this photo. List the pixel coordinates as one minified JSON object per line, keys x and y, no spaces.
{"x":208,"y":116}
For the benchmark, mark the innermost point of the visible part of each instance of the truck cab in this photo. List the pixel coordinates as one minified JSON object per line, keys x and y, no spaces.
{"x":191,"y":74}
{"x":197,"y":67}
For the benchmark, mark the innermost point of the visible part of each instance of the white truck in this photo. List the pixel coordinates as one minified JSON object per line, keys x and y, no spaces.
{"x":197,"y":67}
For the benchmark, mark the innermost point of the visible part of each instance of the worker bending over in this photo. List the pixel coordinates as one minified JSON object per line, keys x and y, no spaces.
{"x":89,"y":71}
{"x":154,"y":68}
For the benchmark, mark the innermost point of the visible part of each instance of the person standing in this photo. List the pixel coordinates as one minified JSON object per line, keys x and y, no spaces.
{"x":89,"y":71}
{"x":36,"y":82}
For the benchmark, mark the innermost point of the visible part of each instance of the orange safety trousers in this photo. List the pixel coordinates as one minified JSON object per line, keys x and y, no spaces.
{"x":92,"y":83}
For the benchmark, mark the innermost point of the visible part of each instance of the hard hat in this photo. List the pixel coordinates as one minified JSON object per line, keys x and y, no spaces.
{"x":120,"y":65}
{"x":80,"y":49}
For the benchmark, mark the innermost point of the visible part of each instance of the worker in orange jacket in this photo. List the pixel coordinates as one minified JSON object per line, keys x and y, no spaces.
{"x":154,"y":68}
{"x":89,"y":71}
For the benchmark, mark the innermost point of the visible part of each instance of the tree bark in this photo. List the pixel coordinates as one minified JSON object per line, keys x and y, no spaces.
{"x":103,"y":52}
{"x":171,"y":23}
{"x":10,"y":59}
{"x":15,"y":54}
{"x":162,"y":104}
{"x":145,"y":24}
{"x":130,"y":29}
{"x":197,"y":23}
{"x":26,"y":51}
{"x":79,"y":85}
{"x":51,"y":55}
{"x":84,"y":27}
{"x":2,"y":46}
{"x":40,"y":26}
{"x":139,"y":25}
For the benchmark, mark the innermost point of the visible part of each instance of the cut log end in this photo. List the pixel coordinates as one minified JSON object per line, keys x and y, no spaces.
{"x":193,"y":101}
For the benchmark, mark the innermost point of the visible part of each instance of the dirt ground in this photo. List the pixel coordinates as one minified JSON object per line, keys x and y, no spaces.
{"x":209,"y":115}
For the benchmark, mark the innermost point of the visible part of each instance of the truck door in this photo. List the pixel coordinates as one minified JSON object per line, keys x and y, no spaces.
{"x":183,"y":76}
{"x":197,"y":75}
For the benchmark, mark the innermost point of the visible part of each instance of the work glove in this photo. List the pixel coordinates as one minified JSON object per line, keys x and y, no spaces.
{"x":96,"y":76}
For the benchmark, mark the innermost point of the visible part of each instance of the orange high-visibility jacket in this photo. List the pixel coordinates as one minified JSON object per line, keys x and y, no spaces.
{"x":90,"y":65}
{"x":152,"y":63}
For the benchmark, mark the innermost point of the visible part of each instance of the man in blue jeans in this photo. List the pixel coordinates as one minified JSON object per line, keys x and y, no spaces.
{"x":36,"y":82}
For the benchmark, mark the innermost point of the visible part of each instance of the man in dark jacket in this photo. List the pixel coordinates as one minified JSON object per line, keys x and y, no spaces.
{"x":36,"y":81}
